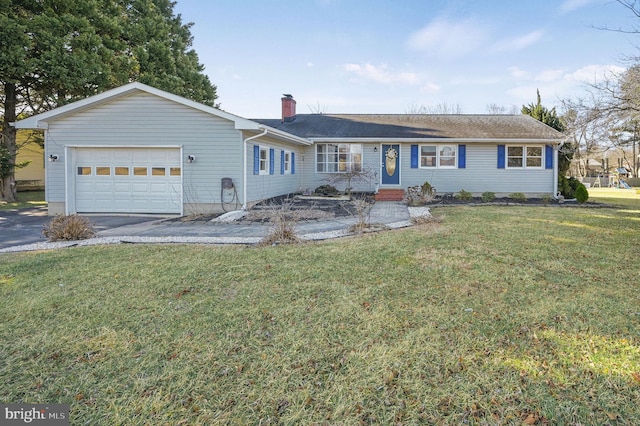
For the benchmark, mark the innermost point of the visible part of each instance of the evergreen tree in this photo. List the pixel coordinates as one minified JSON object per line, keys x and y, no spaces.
{"x":551,"y":119}
{"x":55,"y":52}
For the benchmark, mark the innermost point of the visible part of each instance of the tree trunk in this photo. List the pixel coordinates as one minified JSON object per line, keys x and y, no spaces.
{"x":8,"y":140}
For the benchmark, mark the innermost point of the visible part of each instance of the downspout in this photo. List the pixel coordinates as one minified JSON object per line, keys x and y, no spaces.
{"x":555,"y":171}
{"x":244,"y":167}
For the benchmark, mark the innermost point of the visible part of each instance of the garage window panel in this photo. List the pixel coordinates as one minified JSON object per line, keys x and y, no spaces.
{"x":84,"y":171}
{"x":139,"y":171}
{"x":157,"y":171}
{"x":103,"y":171}
{"x":121,"y":171}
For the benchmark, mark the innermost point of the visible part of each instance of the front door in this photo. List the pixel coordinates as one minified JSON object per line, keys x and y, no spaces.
{"x":390,"y":164}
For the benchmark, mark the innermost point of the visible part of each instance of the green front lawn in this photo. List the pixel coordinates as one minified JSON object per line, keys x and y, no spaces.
{"x":25,"y":199}
{"x":490,"y":315}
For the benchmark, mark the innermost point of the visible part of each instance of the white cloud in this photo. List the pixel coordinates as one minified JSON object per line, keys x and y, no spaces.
{"x":550,"y":75}
{"x":430,"y":87}
{"x":518,"y":43}
{"x":309,"y":64}
{"x":519,"y":74}
{"x":448,"y":38}
{"x":594,"y":73}
{"x":382,"y":74}
{"x":571,"y":5}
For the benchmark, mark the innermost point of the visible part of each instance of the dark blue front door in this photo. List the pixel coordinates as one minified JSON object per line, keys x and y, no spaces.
{"x":390,"y":164}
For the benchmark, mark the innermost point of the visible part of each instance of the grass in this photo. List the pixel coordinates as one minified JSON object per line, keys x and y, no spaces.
{"x":629,"y":198}
{"x":488,"y":315}
{"x":25,"y":199}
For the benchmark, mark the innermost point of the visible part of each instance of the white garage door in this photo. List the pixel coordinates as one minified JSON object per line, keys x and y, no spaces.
{"x":128,"y":180}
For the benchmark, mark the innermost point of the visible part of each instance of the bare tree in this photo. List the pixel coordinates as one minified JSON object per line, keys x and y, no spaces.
{"x":318,"y":108}
{"x":588,"y":130}
{"x":500,"y":109}
{"x":441,"y":108}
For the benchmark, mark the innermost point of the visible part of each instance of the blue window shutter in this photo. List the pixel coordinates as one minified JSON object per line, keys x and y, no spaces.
{"x":414,"y":156}
{"x":501,"y":156}
{"x":548,"y":157}
{"x":272,"y":160}
{"x":256,"y":160}
{"x":293,"y":163}
{"x":462,"y":156}
{"x":281,"y":162}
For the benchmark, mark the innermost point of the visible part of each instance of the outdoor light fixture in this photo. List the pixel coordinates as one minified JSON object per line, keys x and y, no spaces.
{"x":53,"y":157}
{"x":191,"y":158}
{"x":375,"y":149}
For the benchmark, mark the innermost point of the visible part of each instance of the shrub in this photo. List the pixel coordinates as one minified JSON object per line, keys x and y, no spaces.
{"x":464,"y":195}
{"x":363,"y":214}
{"x":567,"y":186}
{"x":546,"y":199}
{"x":488,"y":196}
{"x":419,"y":195}
{"x":284,"y":219}
{"x":428,"y":190}
{"x":69,"y":228}
{"x":581,"y":194}
{"x":326,"y":190}
{"x":518,"y":196}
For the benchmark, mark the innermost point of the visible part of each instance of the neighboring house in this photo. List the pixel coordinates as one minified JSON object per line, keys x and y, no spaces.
{"x":137,"y":149}
{"x":30,"y":177}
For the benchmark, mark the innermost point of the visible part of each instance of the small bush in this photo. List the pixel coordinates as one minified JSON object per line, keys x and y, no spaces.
{"x":363,"y":214}
{"x":284,"y":218}
{"x":419,"y":195}
{"x":69,"y":228}
{"x":326,"y":190}
{"x":428,"y":190}
{"x":488,"y":196}
{"x":464,"y":195}
{"x":581,"y":194}
{"x":567,"y":186}
{"x":518,"y":196}
{"x":546,"y":199}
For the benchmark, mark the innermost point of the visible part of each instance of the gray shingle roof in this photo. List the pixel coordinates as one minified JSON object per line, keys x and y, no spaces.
{"x":417,"y":126}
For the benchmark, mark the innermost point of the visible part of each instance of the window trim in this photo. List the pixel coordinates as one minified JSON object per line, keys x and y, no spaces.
{"x":337,"y":153}
{"x":439,"y":147}
{"x":263,"y":162}
{"x":525,"y":155}
{"x":286,"y":162}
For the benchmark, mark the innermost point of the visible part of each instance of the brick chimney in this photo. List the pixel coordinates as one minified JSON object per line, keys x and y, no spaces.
{"x":288,"y":108}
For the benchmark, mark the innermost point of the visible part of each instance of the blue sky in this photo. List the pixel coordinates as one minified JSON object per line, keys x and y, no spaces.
{"x":383,"y":56}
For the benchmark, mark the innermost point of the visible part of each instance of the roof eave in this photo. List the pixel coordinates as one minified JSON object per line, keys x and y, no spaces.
{"x":40,"y":121}
{"x":439,"y":140}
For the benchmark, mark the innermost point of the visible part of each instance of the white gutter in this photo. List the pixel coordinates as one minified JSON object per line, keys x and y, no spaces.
{"x":244,"y":166}
{"x":437,"y":140}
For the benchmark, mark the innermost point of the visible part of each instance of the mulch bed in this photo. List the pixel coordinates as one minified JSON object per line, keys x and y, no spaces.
{"x":291,"y":208}
{"x":321,"y":208}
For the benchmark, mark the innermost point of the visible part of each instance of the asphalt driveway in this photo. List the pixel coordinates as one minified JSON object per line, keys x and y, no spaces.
{"x":24,"y":226}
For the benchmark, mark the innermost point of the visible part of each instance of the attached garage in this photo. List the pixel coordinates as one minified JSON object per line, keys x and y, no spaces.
{"x":125,"y":180}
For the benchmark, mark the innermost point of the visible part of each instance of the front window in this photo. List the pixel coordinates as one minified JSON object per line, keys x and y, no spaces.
{"x":287,"y":162}
{"x":437,"y":156}
{"x":264,"y":161}
{"x":534,"y":156}
{"x":515,"y":156}
{"x":520,"y":157}
{"x":338,"y":158}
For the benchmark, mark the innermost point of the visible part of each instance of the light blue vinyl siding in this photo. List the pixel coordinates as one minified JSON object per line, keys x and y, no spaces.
{"x":147,"y":120}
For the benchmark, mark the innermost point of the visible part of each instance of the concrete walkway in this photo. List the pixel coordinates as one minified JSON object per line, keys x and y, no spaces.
{"x":388,"y":213}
